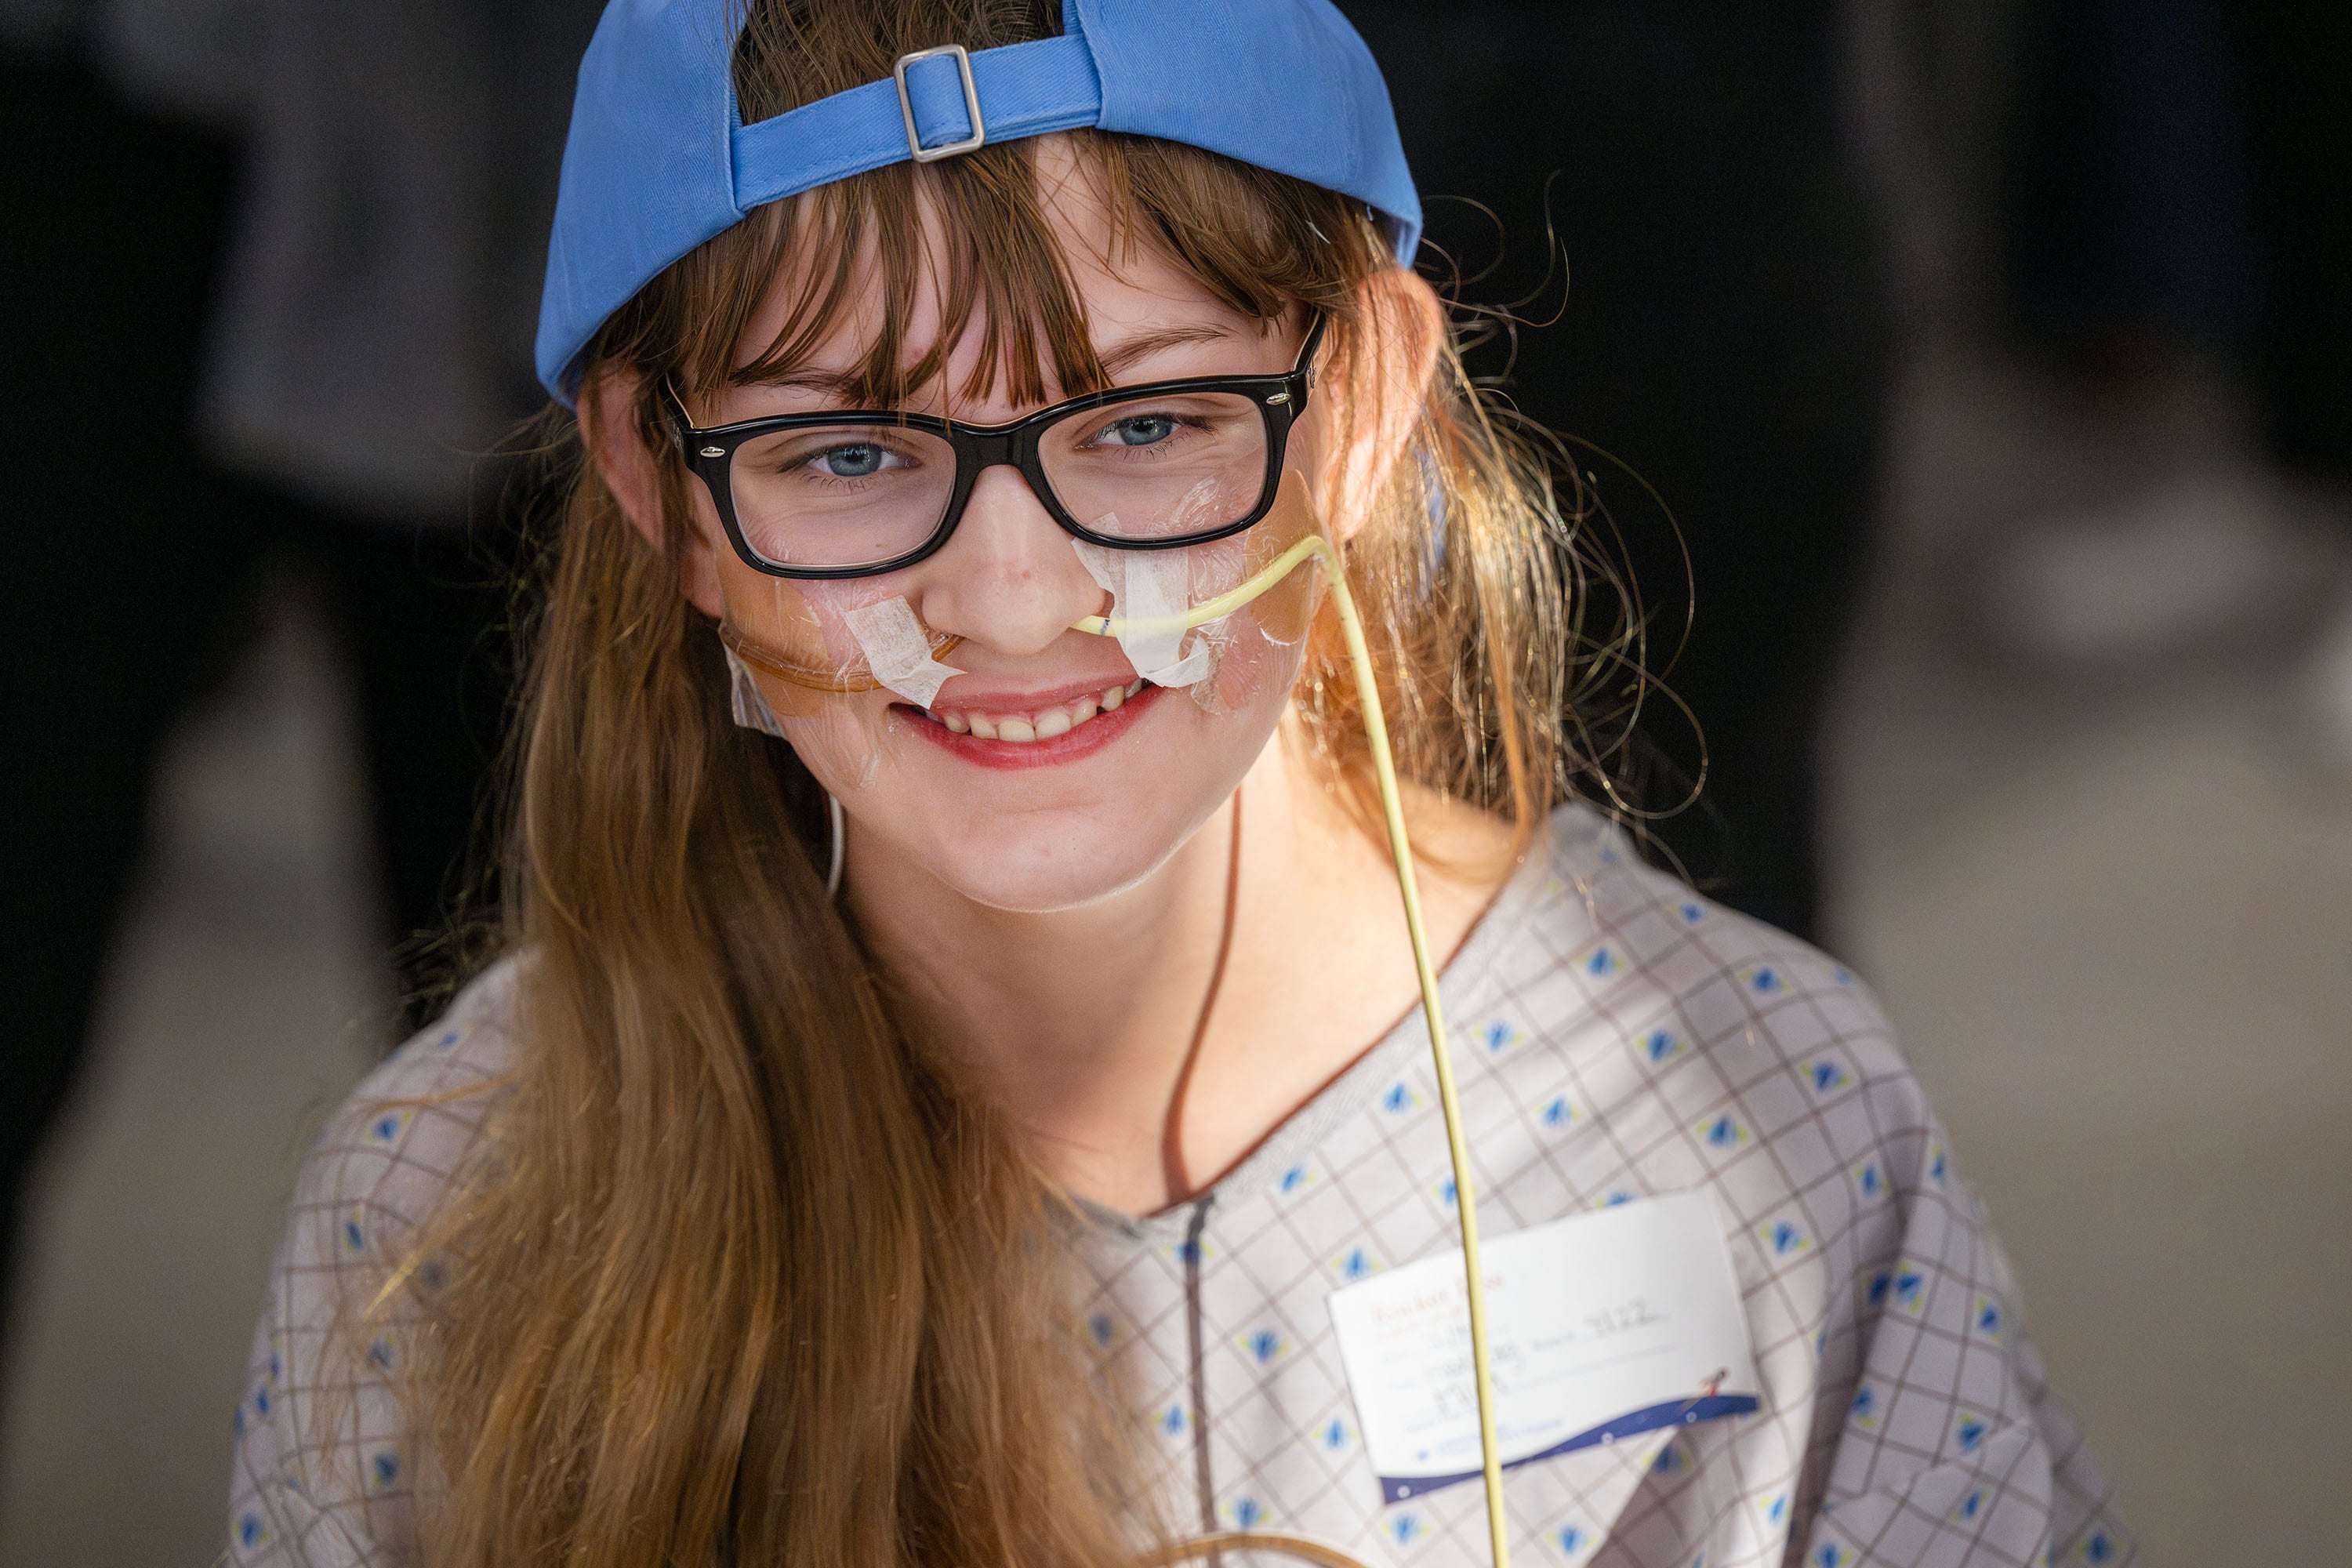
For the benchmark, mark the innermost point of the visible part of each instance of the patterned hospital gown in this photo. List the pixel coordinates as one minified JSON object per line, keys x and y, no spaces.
{"x":1615,"y":1037}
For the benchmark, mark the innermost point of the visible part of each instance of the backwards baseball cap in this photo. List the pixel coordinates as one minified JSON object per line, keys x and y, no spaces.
{"x":659,"y":158}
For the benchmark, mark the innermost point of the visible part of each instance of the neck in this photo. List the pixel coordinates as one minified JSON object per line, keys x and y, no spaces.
{"x":1079,"y":1023}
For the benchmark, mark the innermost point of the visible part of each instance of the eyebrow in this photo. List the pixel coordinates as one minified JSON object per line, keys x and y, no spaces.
{"x":1143,"y":345}
{"x":845,"y":385}
{"x":842,"y":384}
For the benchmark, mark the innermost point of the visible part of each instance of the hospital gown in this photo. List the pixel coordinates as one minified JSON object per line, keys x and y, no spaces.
{"x":1615,"y":1037}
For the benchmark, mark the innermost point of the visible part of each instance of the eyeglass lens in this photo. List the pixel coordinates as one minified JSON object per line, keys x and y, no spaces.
{"x":1148,"y":469}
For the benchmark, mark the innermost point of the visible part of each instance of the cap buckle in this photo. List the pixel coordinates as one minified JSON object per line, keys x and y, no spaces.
{"x":915,"y":148}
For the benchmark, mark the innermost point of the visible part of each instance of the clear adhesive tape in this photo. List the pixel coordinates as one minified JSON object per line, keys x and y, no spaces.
{"x":898,"y":651}
{"x":750,"y":703}
{"x":1149,"y":590}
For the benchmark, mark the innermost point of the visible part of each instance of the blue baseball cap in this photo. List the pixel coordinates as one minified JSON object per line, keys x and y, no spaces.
{"x":659,"y":160}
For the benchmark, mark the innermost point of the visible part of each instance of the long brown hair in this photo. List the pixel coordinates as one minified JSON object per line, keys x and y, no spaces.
{"x":743,"y":1274}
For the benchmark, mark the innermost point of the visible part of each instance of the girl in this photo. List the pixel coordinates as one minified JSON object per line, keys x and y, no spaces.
{"x":956,"y":1073}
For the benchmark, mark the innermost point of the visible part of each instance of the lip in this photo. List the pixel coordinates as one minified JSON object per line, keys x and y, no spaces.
{"x":966,"y":694}
{"x":1011,"y":756}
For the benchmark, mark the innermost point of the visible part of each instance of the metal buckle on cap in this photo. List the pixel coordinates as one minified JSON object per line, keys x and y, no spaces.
{"x":979,"y":136}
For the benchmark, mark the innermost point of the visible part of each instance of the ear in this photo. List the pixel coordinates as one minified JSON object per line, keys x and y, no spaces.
{"x":632,"y":472}
{"x":1403,"y":327}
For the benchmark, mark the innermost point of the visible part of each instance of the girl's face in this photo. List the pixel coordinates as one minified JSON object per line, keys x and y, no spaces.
{"x":1049,"y":772}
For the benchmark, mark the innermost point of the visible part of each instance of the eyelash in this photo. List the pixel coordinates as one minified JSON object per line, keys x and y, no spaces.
{"x":808,"y":466}
{"x":1157,"y":448}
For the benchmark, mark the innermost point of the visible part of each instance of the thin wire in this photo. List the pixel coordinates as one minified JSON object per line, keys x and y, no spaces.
{"x":840,"y":849}
{"x":1179,"y":1183}
{"x":1209,"y":1546}
{"x":1172,"y":1128}
{"x":1204,"y":1485}
{"x":1376,"y":732}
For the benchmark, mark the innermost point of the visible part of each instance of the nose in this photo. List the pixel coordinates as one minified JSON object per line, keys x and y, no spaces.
{"x":1007,"y":579}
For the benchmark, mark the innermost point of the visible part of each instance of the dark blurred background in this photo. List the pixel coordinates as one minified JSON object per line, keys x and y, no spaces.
{"x":1989,"y":356}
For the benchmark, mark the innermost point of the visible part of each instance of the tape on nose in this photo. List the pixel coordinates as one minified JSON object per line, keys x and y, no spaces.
{"x":1157,"y":597}
{"x":1149,"y":592}
{"x":898,"y":651}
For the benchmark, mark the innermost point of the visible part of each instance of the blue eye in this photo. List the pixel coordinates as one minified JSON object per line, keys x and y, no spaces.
{"x":1140,"y":430}
{"x":860,"y":461}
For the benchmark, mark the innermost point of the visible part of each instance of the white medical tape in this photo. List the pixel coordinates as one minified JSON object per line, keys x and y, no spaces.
{"x":1149,"y":592}
{"x":898,"y":651}
{"x":752,"y":710}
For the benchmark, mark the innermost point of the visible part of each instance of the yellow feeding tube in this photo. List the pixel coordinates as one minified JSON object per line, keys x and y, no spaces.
{"x":1316,"y":548}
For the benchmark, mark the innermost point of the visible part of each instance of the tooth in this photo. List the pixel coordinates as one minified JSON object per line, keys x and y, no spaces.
{"x":1052,"y":722}
{"x":1081,"y":710}
{"x":1135,"y":686}
{"x":954,"y":721}
{"x":1113,"y":698}
{"x":982,"y":726}
{"x":1018,"y":730}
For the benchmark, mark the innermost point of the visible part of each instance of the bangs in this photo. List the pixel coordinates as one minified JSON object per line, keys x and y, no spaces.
{"x":974,"y":237}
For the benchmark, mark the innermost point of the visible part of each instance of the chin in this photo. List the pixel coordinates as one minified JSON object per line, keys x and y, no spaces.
{"x":1047,"y":861}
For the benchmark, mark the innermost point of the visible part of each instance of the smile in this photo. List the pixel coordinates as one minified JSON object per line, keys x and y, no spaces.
{"x":1042,"y":724}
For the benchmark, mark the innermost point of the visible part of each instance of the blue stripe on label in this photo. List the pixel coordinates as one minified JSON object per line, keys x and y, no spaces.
{"x":1674,"y":1412}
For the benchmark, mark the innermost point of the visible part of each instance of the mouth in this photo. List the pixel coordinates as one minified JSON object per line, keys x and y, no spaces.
{"x":1049,"y":723}
{"x":1055,"y":733}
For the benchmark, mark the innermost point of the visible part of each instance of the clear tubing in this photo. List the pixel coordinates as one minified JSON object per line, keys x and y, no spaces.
{"x":1465,"y":1211}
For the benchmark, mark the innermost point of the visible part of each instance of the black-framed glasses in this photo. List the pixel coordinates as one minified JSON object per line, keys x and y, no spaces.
{"x":861,"y":492}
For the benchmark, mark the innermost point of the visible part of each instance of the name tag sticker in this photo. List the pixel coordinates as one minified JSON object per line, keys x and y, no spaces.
{"x":1600,"y":1326}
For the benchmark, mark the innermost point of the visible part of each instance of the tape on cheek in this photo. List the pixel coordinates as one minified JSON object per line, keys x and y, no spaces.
{"x":751,"y":705}
{"x":1148,"y":589}
{"x":1283,"y":611}
{"x":898,"y":651}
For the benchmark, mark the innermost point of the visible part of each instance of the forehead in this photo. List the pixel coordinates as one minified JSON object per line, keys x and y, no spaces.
{"x":841,"y":320}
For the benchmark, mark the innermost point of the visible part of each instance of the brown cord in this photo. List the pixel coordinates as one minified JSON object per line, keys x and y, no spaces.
{"x":1204,"y":1482}
{"x":1172,"y":1129}
{"x":1293,"y":1546}
{"x":1212,"y":1545}
{"x":1179,"y":1183}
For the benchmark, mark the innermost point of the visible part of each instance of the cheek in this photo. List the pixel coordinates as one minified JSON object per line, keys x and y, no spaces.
{"x":794,"y":638}
{"x":1261,"y":648}
{"x":809,"y":642}
{"x":802,"y":625}
{"x":847,"y":743}
{"x":1254,"y":673}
